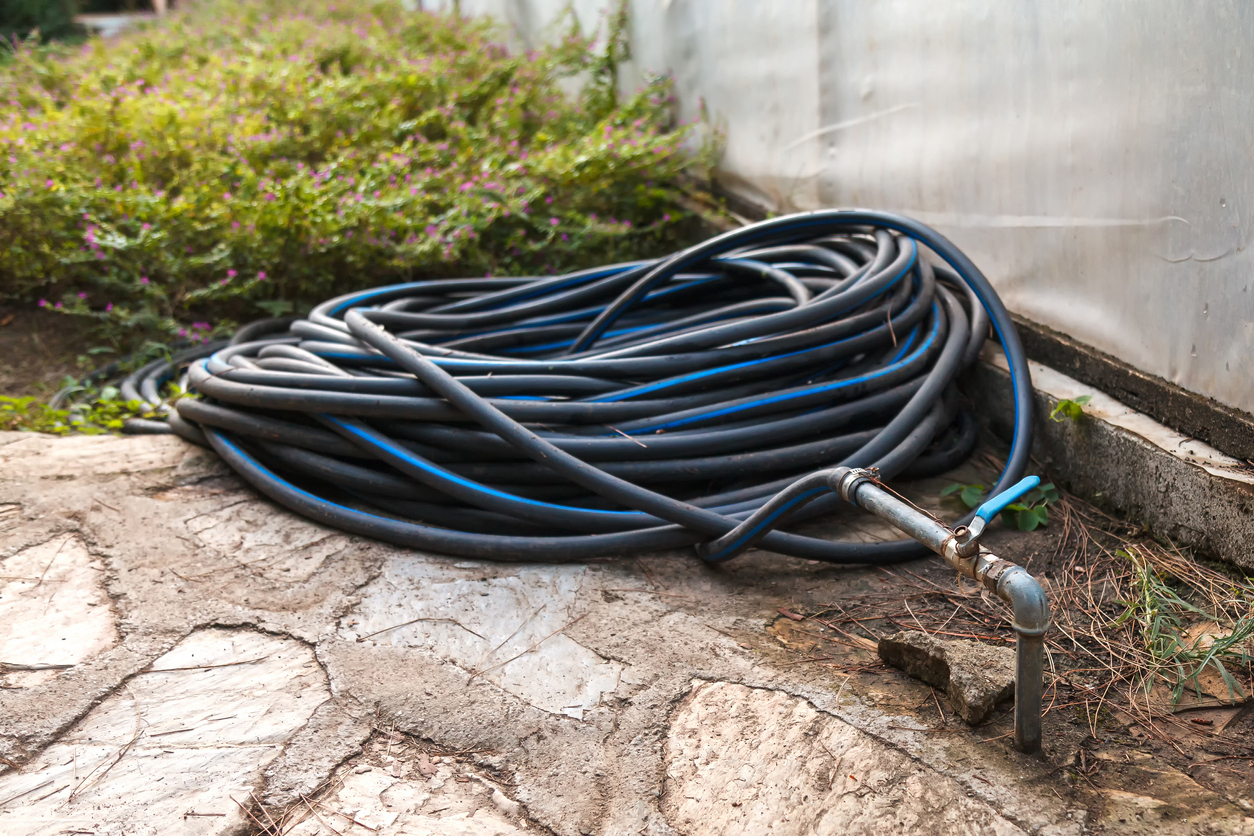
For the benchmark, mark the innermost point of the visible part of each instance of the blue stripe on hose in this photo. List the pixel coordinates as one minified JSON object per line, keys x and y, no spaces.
{"x":906,"y":343}
{"x":663,"y":384}
{"x":274,"y":476}
{"x":436,"y":470}
{"x":563,"y":285}
{"x":366,"y":295}
{"x":578,"y":315}
{"x":831,"y":387}
{"x":598,"y":334}
{"x":770,"y":518}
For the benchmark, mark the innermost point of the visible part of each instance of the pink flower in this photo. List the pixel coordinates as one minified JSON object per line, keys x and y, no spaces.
{"x":432,"y":230}
{"x":43,"y":303}
{"x":50,"y":184}
{"x":666,"y":219}
{"x":234,"y":224}
{"x":143,"y":280}
{"x":146,"y":227}
{"x":261,"y":275}
{"x":226,"y":195}
{"x":108,"y":307}
{"x":230,"y":274}
{"x":82,"y":295}
{"x":553,"y":221}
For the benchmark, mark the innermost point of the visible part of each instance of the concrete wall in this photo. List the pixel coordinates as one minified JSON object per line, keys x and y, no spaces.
{"x":1096,"y":159}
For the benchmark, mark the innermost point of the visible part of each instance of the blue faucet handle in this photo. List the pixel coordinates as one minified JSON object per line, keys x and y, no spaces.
{"x":994,"y":505}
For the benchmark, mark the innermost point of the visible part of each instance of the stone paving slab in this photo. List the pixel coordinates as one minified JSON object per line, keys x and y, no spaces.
{"x":182,"y":656}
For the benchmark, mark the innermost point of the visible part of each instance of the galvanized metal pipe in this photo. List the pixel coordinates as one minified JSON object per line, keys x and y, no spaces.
{"x":1012,"y":584}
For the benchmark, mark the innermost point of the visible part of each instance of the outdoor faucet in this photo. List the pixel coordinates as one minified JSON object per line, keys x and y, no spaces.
{"x":961,"y":549}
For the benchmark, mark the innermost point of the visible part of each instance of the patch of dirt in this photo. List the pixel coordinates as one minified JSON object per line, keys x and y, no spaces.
{"x":39,"y":350}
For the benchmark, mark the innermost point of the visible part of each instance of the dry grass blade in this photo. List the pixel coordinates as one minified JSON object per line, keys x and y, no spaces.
{"x":528,"y":650}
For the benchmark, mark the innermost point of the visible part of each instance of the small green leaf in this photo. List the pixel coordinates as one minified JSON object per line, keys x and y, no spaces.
{"x":1027,"y":519}
{"x":1069,"y":409}
{"x":972,"y":495}
{"x":952,"y":489}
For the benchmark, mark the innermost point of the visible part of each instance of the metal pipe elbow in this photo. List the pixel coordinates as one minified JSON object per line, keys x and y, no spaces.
{"x":1026,"y":598}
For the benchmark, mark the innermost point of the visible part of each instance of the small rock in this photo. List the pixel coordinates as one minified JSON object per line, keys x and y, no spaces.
{"x":425,"y":765}
{"x":975,"y":676}
{"x":505,"y":804}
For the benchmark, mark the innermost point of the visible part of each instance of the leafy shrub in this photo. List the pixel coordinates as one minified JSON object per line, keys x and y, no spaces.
{"x":253,"y":156}
{"x":51,"y":18}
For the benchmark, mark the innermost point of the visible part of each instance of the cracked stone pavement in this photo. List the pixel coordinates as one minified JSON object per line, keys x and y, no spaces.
{"x":179,"y":655}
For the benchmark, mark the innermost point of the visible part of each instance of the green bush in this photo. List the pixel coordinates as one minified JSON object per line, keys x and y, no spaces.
{"x":21,"y":18}
{"x":249,"y":157}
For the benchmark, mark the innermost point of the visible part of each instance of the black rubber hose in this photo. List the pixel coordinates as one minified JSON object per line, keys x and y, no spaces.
{"x":632,"y":407}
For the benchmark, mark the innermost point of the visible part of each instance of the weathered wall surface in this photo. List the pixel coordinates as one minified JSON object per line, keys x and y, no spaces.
{"x":1096,"y":159}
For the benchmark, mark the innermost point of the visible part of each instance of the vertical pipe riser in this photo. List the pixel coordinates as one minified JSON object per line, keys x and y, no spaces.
{"x":1029,"y":676}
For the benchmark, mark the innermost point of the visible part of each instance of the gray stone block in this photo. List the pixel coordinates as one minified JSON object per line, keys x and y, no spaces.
{"x":975,"y":676}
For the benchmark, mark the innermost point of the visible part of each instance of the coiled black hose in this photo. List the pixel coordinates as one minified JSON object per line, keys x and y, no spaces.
{"x":632,"y":407}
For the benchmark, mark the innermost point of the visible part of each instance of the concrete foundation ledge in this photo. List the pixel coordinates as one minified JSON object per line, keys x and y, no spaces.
{"x":1124,"y":460}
